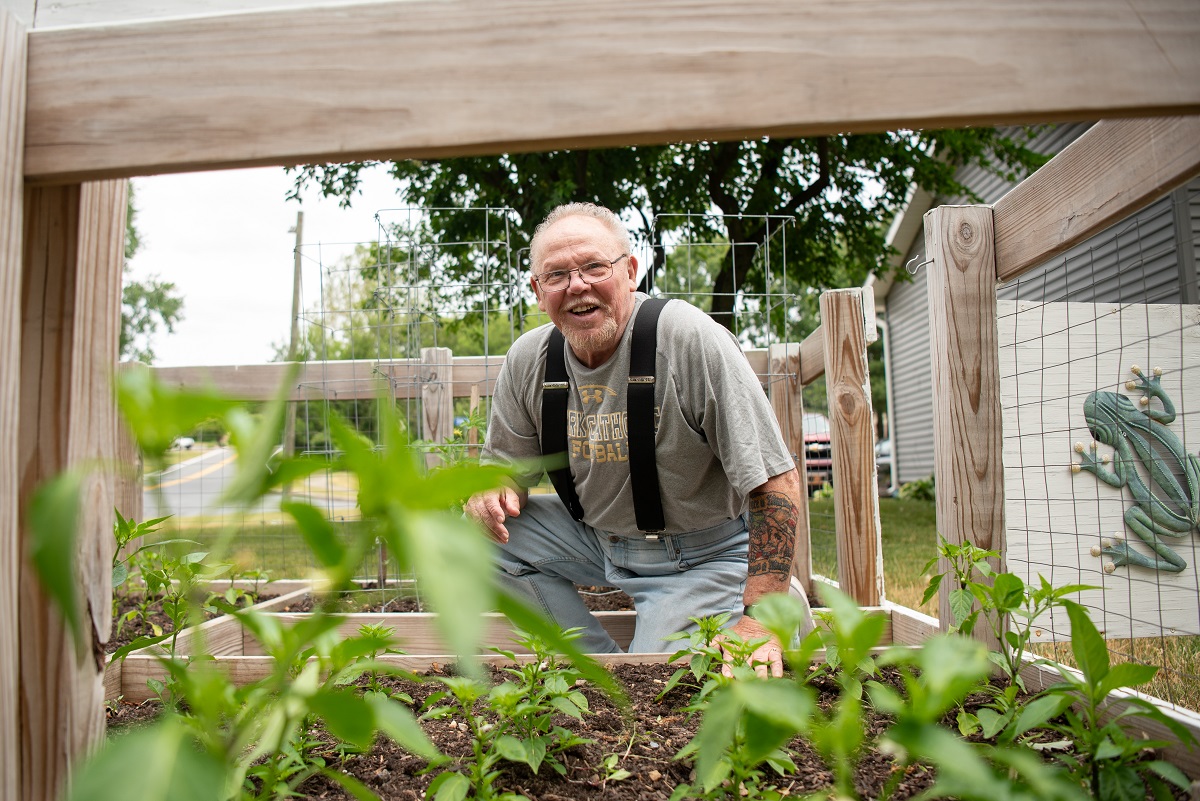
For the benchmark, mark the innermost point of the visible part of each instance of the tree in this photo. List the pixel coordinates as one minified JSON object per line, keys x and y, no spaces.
{"x":145,"y":305}
{"x":380,"y":303}
{"x":838,"y":191}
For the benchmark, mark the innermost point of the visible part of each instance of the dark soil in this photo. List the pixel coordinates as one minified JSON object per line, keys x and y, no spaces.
{"x":133,"y":629}
{"x":597,"y":599}
{"x":645,"y":745}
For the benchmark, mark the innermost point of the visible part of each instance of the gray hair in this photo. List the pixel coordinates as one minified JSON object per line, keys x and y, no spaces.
{"x":610,"y":220}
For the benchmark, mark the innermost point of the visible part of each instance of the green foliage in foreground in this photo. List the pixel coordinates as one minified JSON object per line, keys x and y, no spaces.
{"x":250,"y":742}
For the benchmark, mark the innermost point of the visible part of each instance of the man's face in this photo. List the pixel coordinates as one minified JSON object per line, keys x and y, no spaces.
{"x":592,"y":317}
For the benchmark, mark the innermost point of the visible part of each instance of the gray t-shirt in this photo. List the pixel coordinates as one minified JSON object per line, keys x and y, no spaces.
{"x":716,"y":438}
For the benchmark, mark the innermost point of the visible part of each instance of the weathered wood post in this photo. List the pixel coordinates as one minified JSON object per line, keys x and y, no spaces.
{"x":852,"y":441}
{"x":12,"y":150}
{"x":437,"y":398}
{"x":70,"y":311}
{"x":786,"y":395}
{"x":967,"y":432}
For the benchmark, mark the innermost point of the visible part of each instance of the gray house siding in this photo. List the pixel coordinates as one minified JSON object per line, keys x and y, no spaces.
{"x":1135,"y":260}
{"x":911,"y":413}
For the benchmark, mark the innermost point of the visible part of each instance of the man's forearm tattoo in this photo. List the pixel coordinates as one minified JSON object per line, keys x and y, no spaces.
{"x":773,"y":517}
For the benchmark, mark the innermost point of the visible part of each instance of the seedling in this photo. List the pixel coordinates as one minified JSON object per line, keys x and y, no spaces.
{"x":516,"y":721}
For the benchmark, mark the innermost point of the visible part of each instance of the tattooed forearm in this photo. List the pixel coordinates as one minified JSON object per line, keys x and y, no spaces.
{"x":773,"y":517}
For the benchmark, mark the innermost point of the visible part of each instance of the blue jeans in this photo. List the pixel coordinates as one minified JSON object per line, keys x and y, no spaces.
{"x":670,"y":579}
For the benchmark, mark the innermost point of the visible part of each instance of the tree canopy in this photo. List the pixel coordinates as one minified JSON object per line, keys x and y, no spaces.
{"x":838,"y":193}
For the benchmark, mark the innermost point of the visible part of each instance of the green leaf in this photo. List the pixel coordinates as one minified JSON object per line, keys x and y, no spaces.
{"x":157,"y":414}
{"x":449,"y":787}
{"x":350,"y":784}
{"x":530,"y":621}
{"x":715,"y":736}
{"x":347,"y":715}
{"x":453,"y":561}
{"x":1107,"y":749}
{"x":1120,"y":783}
{"x":991,"y":721}
{"x":566,"y":707}
{"x":935,"y":584}
{"x":1169,"y":772}
{"x":961,"y":602}
{"x":1008,"y":591}
{"x":512,"y":749}
{"x":1125,"y":674}
{"x":1038,"y":711}
{"x":157,"y":763}
{"x":120,"y":572}
{"x":1088,"y":647}
{"x":319,"y":534}
{"x":53,"y":529}
{"x":256,"y":441}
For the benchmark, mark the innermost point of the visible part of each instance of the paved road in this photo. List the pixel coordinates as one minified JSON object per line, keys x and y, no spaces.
{"x":194,"y":487}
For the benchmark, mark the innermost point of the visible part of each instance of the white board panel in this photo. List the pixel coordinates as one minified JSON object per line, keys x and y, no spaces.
{"x":1052,"y":356}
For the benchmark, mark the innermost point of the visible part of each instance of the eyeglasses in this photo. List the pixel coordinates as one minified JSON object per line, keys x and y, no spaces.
{"x":591,"y":273}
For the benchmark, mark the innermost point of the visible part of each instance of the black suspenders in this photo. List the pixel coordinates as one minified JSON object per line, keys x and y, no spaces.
{"x":643,"y":470}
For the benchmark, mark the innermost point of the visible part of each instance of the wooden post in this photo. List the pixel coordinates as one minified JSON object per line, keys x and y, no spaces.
{"x":289,"y":420}
{"x":966,"y":383}
{"x":127,"y":492}
{"x":12,"y":148}
{"x":437,"y":398}
{"x":70,"y":312}
{"x":786,"y":394}
{"x":852,"y":442}
{"x":473,"y":434}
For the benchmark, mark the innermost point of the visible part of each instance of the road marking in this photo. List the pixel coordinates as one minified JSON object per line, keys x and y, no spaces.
{"x":204,"y":472}
{"x":179,"y":466}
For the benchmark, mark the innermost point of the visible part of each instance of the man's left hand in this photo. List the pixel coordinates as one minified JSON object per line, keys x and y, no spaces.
{"x":766,"y":659}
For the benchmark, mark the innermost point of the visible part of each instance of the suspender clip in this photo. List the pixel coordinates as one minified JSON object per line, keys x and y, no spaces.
{"x":641,"y":379}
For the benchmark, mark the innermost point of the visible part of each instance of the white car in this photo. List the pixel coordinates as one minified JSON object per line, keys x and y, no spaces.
{"x":183,"y":443}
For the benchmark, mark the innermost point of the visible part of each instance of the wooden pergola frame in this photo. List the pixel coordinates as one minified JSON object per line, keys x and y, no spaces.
{"x":426,"y":79}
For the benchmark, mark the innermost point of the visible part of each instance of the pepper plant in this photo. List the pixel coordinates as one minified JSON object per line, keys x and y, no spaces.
{"x":515,"y":723}
{"x":217,"y":744}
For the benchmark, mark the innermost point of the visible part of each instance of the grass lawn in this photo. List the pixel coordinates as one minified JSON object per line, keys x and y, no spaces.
{"x":909,"y":535}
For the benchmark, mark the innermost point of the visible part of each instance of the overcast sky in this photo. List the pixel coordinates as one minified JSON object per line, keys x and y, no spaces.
{"x":223,"y":238}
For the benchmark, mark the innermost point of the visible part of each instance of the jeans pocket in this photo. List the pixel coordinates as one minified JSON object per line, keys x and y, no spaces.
{"x":734,"y":547}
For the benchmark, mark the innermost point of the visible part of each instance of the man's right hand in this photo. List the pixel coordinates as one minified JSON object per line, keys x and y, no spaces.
{"x":492,"y":507}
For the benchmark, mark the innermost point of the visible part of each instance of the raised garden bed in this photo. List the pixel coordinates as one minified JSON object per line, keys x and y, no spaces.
{"x":217,"y":632}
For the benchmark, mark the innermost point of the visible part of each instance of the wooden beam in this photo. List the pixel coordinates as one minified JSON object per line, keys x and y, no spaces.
{"x":12,"y":149}
{"x":1114,"y":169}
{"x":246,"y":669}
{"x":786,"y":395}
{"x":336,"y":380}
{"x":70,"y":313}
{"x":361,"y":379}
{"x":852,"y":443}
{"x":966,"y":384}
{"x":812,"y":357}
{"x":429,"y":79}
{"x":910,"y":627}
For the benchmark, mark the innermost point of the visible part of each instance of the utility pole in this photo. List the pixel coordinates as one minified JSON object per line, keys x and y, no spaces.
{"x":289,"y":426}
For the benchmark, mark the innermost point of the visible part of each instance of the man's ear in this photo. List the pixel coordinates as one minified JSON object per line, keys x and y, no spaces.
{"x":533,"y":284}
{"x":633,"y":265}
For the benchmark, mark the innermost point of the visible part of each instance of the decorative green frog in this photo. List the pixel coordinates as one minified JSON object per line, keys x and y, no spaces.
{"x":1170,"y":504}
